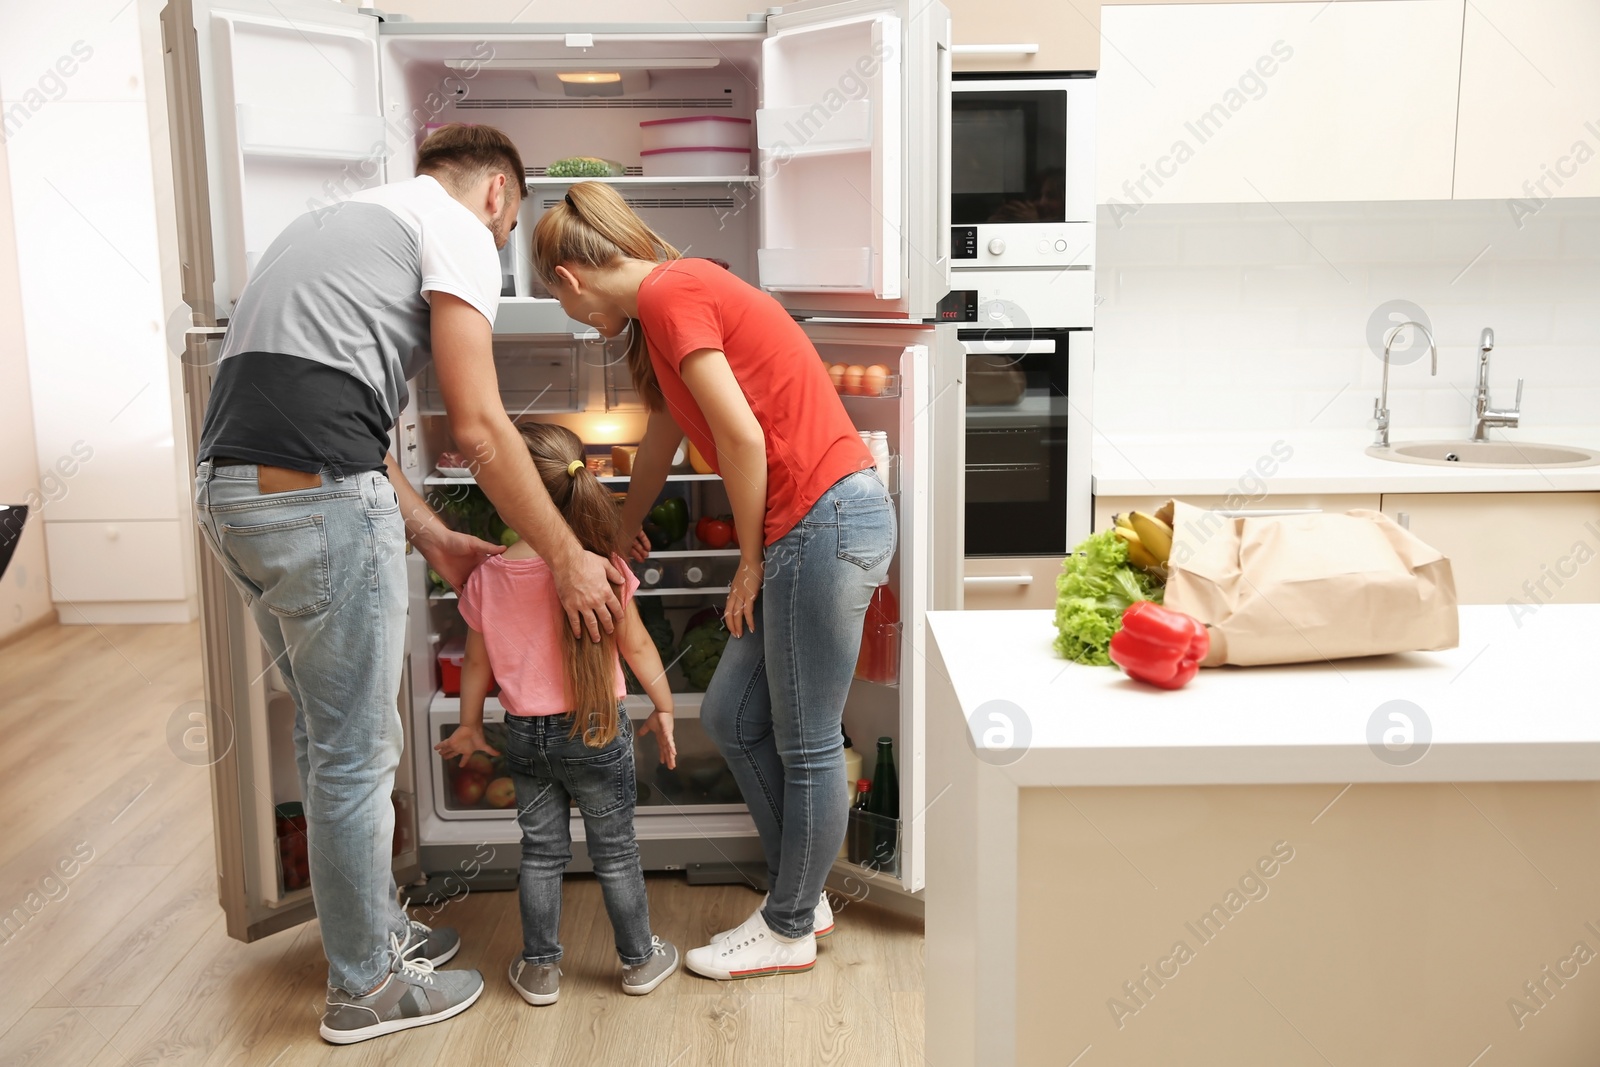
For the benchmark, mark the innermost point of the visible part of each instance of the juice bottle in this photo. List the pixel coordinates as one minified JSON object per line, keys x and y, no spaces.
{"x":879,"y":660}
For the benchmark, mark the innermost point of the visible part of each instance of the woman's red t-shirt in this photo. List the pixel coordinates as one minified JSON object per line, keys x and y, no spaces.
{"x":686,"y":305}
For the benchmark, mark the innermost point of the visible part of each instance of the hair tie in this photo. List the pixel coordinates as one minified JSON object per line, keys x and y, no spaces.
{"x":574,"y":467}
{"x":570,"y":204}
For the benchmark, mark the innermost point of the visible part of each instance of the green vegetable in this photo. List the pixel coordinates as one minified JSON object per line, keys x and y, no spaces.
{"x":660,"y":630}
{"x":584,"y":167}
{"x":671,"y":519}
{"x":1095,"y":585}
{"x":509,"y":537}
{"x":702,"y":651}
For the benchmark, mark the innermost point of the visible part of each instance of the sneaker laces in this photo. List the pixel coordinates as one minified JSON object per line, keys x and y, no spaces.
{"x":657,"y":946}
{"x":419,"y":969}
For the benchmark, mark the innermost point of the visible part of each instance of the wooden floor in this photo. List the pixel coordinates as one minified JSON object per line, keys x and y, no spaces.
{"x":123,"y":959}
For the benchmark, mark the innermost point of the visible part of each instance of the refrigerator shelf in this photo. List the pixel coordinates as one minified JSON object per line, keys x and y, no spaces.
{"x":691,"y":590}
{"x":609,"y":479}
{"x":634,"y":179}
{"x":685,"y":705}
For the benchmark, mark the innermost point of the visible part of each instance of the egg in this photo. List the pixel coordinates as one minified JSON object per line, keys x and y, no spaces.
{"x":875,"y":379}
{"x":836,"y":375}
{"x":852,"y":379}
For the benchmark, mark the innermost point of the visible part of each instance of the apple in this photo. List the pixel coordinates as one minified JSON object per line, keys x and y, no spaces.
{"x":501,"y":793}
{"x":469,"y":789}
{"x":480,"y":764}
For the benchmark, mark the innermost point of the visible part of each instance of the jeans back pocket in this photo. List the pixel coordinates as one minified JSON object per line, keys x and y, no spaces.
{"x":601,"y":784}
{"x":287,"y":561}
{"x":866,"y":530}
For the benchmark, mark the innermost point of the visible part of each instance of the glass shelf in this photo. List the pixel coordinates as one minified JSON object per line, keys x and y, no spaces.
{"x":609,"y":479}
{"x":636,"y":179}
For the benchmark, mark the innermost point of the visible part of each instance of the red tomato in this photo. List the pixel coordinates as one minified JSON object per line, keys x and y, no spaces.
{"x":713,"y":533}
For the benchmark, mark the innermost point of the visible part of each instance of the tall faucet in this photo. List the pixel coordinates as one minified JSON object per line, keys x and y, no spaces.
{"x":1380,"y":406}
{"x":1483,"y":415}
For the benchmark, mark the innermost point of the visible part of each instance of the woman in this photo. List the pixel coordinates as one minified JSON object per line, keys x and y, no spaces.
{"x":723,"y":362}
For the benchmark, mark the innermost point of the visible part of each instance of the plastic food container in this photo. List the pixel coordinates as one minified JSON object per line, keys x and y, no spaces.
{"x":698,"y":162}
{"x":695,"y":131}
{"x":451,"y":655}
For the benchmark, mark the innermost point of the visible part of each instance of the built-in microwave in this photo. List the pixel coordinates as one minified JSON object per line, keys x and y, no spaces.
{"x":1022,"y":171}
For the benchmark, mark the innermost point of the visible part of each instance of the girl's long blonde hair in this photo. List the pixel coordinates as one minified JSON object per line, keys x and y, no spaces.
{"x":591,"y":667}
{"x":594,"y":227}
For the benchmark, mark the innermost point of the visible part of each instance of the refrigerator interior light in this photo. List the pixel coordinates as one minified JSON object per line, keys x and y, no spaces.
{"x":589,"y":77}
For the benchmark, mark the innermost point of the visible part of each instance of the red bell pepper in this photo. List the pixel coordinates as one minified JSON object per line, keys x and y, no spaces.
{"x":1158,"y":646}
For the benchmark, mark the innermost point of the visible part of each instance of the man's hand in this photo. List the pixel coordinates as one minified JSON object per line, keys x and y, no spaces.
{"x":584,"y":585}
{"x":455,"y":555}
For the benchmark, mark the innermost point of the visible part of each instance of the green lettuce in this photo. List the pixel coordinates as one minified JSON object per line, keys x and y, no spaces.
{"x":1095,"y":585}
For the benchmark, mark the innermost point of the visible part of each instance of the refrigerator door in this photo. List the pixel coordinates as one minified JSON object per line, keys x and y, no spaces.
{"x":281,"y":98}
{"x":854,"y":136}
{"x":273,"y":109}
{"x":922,"y":422}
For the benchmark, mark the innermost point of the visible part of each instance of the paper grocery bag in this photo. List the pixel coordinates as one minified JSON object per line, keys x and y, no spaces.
{"x":1307,"y":588}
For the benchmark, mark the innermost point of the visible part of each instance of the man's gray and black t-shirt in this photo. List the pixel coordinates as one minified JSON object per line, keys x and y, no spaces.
{"x":334,"y":320}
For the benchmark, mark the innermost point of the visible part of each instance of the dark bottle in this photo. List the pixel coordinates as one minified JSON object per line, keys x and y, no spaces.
{"x":858,"y":833}
{"x":883,"y":803}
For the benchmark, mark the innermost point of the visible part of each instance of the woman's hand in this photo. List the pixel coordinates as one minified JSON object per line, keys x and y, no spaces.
{"x":464,"y":741}
{"x":740,"y":612}
{"x":455,"y":555}
{"x":660,"y":724}
{"x":636,"y":547}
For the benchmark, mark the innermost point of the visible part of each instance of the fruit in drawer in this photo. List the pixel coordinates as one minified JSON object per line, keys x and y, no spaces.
{"x":478,"y":763}
{"x":468,"y":789}
{"x":500,"y":793}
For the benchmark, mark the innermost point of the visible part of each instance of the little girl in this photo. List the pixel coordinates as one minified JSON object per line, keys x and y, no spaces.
{"x":567,"y":735}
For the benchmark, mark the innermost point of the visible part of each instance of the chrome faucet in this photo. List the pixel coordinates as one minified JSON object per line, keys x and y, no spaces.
{"x":1483,"y":415}
{"x":1380,"y":406}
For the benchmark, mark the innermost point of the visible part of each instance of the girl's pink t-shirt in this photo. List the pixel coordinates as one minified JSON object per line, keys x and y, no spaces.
{"x":513,"y":604}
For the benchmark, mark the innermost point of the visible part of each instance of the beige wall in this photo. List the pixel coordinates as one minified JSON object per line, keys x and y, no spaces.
{"x":25,"y":589}
{"x":1407,"y":920}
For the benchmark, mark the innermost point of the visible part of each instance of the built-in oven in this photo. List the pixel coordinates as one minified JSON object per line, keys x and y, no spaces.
{"x":1027,"y":441}
{"x":1022,"y":203}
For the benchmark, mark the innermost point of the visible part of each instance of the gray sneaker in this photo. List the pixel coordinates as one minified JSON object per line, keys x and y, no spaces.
{"x":412,"y":995}
{"x":438,"y":947}
{"x":537,"y":983}
{"x":640,"y":978}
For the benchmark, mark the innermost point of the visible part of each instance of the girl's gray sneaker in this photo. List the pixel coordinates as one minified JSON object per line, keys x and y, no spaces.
{"x":413,"y":995}
{"x":640,"y":978}
{"x":537,"y":983}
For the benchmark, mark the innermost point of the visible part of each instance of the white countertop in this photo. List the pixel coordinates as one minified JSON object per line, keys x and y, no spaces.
{"x":1510,"y":704}
{"x":1321,"y":462}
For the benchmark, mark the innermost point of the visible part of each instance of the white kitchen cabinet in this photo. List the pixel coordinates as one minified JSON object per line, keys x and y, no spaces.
{"x":1530,"y":101}
{"x":1276,"y":503}
{"x":1530,"y":548}
{"x":99,"y":562}
{"x":995,"y":583}
{"x":1246,"y":102}
{"x":1063,"y":34}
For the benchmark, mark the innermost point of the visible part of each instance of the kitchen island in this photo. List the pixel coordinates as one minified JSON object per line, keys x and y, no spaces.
{"x":1385,"y":861}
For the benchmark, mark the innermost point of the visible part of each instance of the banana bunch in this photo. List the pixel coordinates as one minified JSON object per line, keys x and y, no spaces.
{"x":1149,"y":540}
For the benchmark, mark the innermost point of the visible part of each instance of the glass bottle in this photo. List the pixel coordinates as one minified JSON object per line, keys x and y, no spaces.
{"x":858,"y":831}
{"x":883,"y":803}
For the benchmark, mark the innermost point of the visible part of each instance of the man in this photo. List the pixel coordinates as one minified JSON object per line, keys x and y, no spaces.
{"x":309,"y":514}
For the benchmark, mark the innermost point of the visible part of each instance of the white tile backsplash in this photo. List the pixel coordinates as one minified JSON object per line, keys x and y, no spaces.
{"x":1254,"y":316}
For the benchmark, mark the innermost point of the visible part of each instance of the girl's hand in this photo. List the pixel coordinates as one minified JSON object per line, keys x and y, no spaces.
{"x":740,"y":612}
{"x":660,"y":724}
{"x":464,"y":742}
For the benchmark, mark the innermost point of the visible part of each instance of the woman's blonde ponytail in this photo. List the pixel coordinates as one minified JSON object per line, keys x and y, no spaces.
{"x":594,"y":227}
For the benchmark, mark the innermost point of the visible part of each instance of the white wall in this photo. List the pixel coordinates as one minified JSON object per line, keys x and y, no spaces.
{"x":94,"y":312}
{"x":25,"y":590}
{"x":1239,"y":317}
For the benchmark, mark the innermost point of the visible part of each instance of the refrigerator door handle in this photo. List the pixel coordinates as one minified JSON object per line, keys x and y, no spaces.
{"x":998,"y":579}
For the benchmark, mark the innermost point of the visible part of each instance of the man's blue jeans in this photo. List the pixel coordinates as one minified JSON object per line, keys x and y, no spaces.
{"x":323,"y":572}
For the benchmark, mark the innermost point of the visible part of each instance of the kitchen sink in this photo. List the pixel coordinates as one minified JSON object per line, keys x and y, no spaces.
{"x":1486,"y":454}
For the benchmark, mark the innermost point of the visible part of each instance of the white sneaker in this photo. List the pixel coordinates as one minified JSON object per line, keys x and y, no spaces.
{"x":821,"y":919}
{"x":751,"y":951}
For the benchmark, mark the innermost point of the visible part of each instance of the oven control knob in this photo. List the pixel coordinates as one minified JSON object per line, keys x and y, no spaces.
{"x":1044,"y":246}
{"x":1061,"y":246}
{"x":997,"y":247}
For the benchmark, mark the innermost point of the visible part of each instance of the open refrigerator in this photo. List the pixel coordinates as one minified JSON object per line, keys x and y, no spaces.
{"x":280,"y":106}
